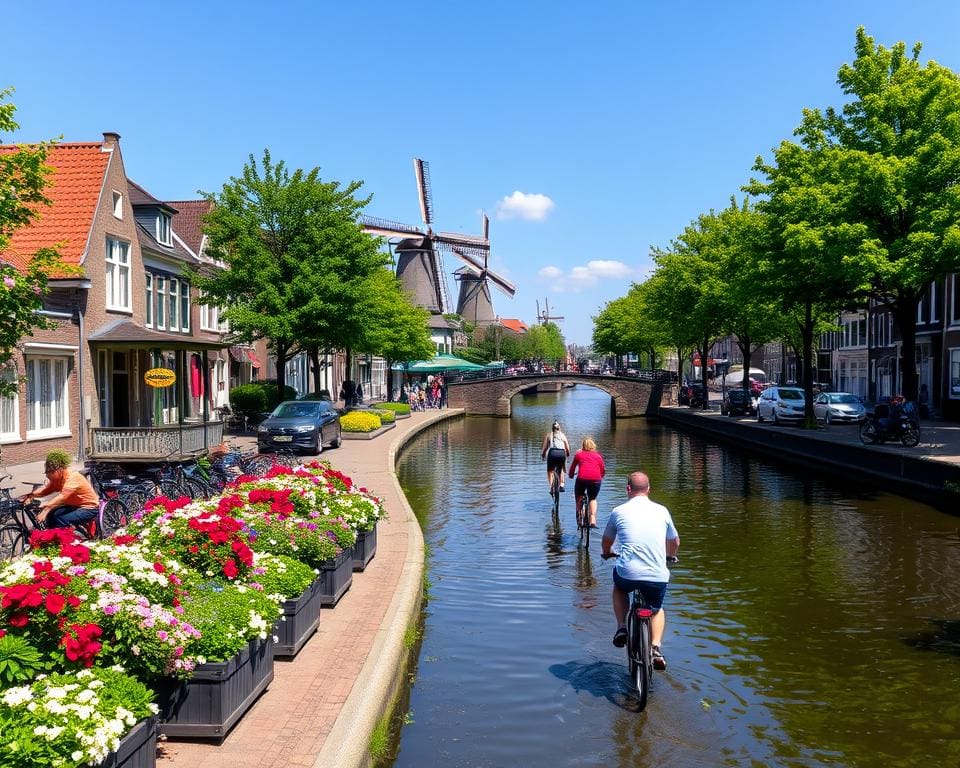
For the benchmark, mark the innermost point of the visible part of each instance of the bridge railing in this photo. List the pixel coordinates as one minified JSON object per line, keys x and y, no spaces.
{"x":651,"y":376}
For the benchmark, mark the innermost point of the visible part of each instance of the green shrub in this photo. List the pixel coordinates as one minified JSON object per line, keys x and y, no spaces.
{"x":360,"y":421}
{"x":258,"y":397}
{"x":398,"y":408}
{"x":386,"y":416}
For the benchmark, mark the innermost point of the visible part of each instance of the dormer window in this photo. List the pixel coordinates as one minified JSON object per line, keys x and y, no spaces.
{"x":163,"y":229}
{"x":117,"y":205}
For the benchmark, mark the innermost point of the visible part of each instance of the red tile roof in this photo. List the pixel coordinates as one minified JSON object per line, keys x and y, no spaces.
{"x":75,"y":184}
{"x":517,"y":326}
{"x":187,"y":222}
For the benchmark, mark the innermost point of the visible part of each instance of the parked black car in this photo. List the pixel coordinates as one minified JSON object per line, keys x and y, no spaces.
{"x":737,"y":402}
{"x":300,"y":424}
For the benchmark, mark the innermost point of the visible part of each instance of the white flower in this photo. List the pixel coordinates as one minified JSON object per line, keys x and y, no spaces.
{"x":13,"y":697}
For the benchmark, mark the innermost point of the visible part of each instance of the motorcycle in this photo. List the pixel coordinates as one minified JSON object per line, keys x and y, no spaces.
{"x":887,"y":423}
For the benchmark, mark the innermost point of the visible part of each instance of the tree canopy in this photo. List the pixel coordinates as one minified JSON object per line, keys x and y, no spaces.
{"x":298,"y":265}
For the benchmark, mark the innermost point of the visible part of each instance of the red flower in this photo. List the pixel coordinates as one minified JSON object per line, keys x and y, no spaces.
{"x":3,"y":632}
{"x":230,"y":569}
{"x":55,"y":602}
{"x":122,"y":540}
{"x":158,"y":567}
{"x":18,"y":619}
{"x":80,"y":643}
{"x":76,"y":552}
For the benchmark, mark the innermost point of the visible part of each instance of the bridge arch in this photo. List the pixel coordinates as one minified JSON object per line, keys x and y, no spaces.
{"x":491,"y":396}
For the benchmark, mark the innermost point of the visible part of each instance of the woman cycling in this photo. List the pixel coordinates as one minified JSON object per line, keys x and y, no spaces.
{"x":592,"y":470}
{"x":555,"y":450}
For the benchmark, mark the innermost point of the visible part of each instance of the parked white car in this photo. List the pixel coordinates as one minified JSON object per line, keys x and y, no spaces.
{"x":831,"y":407}
{"x":781,"y":404}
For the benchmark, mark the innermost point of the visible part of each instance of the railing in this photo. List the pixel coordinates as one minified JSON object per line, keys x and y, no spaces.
{"x":174,"y":441}
{"x":657,"y":375}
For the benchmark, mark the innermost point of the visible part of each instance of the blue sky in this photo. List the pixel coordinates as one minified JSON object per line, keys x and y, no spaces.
{"x":588,"y":133}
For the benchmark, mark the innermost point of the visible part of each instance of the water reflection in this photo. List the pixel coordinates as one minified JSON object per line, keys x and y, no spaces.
{"x":810,"y":624}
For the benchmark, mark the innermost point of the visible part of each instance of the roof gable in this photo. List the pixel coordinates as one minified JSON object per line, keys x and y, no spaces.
{"x":79,"y":171}
{"x":188,"y":222}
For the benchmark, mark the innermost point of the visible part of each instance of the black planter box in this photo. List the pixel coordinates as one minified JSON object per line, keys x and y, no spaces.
{"x":365,"y":548}
{"x":138,"y":749}
{"x":302,"y":618}
{"x":208,"y":704}
{"x":336,"y":576}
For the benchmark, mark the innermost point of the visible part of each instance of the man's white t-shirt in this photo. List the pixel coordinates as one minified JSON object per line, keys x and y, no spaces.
{"x":641,"y":528}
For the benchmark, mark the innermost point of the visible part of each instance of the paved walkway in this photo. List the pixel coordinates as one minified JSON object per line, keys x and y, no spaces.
{"x":322,"y":707}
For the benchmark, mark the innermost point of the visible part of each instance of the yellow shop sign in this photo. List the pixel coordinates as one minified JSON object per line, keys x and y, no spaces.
{"x":160,"y":377}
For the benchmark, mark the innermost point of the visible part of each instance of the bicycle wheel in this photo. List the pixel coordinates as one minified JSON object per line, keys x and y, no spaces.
{"x":585,"y":520}
{"x":643,"y":665}
{"x":134,"y":499}
{"x":196,"y":489}
{"x":113,"y":516}
{"x":910,"y":436}
{"x":170,"y":488}
{"x":868,"y":433}
{"x":555,"y":491}
{"x":12,"y":543}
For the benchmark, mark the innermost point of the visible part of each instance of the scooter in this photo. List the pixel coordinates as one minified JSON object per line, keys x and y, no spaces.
{"x":882,"y":425}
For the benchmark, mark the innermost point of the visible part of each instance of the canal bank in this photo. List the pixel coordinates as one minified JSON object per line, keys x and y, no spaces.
{"x":929,"y":472}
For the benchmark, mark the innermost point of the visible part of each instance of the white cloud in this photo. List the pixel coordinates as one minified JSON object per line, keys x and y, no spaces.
{"x":550,"y":273}
{"x":520,"y":205}
{"x":587,"y":276}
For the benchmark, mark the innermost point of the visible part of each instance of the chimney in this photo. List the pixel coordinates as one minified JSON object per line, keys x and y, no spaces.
{"x":111,"y":138}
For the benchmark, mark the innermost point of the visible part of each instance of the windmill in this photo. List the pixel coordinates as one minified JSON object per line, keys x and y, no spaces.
{"x":420,"y":262}
{"x":544,"y":316}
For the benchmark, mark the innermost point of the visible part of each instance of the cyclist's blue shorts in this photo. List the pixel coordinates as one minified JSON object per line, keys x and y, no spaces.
{"x":653,"y":591}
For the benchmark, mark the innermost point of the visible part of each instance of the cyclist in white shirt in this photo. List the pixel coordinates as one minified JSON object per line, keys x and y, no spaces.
{"x":555,"y":450}
{"x":646,"y":537}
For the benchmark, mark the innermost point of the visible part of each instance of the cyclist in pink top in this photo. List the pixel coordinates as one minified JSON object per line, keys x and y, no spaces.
{"x":590,"y":463}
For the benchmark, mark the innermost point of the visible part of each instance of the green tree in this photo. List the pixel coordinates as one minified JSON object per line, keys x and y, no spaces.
{"x":297,"y":261}
{"x":873,"y":186}
{"x":543,"y":343}
{"x":23,"y":177}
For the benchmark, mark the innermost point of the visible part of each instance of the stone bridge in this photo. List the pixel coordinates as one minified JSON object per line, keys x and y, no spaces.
{"x":629,"y":395}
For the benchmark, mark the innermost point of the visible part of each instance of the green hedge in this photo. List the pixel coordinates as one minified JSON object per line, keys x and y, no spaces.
{"x":360,"y":421}
{"x":386,"y":416}
{"x":399,"y":408}
{"x":258,"y":397}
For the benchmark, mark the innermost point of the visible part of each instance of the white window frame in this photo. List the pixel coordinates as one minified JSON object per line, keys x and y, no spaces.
{"x":164,"y":229}
{"x":148,"y":290}
{"x":12,"y":434}
{"x":160,"y":289}
{"x":211,"y":319}
{"x":933,"y":302}
{"x":953,"y":382}
{"x":59,"y":390}
{"x":117,"y":205}
{"x":184,"y":306}
{"x":118,"y":274}
{"x":173,"y":306}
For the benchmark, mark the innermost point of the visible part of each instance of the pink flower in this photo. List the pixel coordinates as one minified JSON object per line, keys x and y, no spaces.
{"x":9,"y":282}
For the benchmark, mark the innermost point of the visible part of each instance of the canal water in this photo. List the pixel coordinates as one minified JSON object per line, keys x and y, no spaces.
{"x":810,"y":622}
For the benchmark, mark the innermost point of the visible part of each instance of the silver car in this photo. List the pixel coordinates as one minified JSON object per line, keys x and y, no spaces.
{"x":781,"y":404}
{"x":831,"y":407}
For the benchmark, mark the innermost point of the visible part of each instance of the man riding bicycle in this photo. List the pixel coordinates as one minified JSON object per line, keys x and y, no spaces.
{"x":75,"y":500}
{"x":590,"y":463}
{"x":647,"y":538}
{"x":555,"y":450}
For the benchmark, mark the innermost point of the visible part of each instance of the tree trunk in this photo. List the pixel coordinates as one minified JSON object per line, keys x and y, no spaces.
{"x":746,"y":352}
{"x":314,"y":353}
{"x":905,"y":313}
{"x":282,"y":353}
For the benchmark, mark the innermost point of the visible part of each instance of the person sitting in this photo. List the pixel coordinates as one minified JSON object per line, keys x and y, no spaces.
{"x":75,"y":500}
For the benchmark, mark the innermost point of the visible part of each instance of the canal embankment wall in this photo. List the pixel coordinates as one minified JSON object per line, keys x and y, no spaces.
{"x":912,"y":472}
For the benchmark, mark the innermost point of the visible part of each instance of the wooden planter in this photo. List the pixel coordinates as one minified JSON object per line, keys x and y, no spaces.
{"x":365,"y":548}
{"x":208,"y":704}
{"x":138,"y":749}
{"x":302,"y":616}
{"x":336,"y":576}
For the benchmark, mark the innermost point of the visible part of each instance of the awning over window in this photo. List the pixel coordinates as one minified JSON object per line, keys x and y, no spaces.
{"x":254,"y":360}
{"x":237,"y":354}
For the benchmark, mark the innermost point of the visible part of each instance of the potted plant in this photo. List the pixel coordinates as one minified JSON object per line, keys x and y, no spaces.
{"x":234,"y":653}
{"x":296,"y":587}
{"x":89,"y":717}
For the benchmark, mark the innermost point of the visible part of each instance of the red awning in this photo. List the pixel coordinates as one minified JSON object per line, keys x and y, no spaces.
{"x":252,"y":357}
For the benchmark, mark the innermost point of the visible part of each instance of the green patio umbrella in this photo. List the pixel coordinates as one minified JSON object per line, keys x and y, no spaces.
{"x":439,"y":364}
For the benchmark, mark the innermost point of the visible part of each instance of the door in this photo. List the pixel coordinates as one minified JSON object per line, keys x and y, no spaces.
{"x":120,"y":386}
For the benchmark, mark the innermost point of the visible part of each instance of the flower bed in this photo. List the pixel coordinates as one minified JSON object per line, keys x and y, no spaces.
{"x":360,"y":421}
{"x":385,"y":415}
{"x":402,"y":410}
{"x":186,"y":599}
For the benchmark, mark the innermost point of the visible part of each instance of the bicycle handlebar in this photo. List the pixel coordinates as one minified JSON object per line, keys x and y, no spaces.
{"x":671,"y":559}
